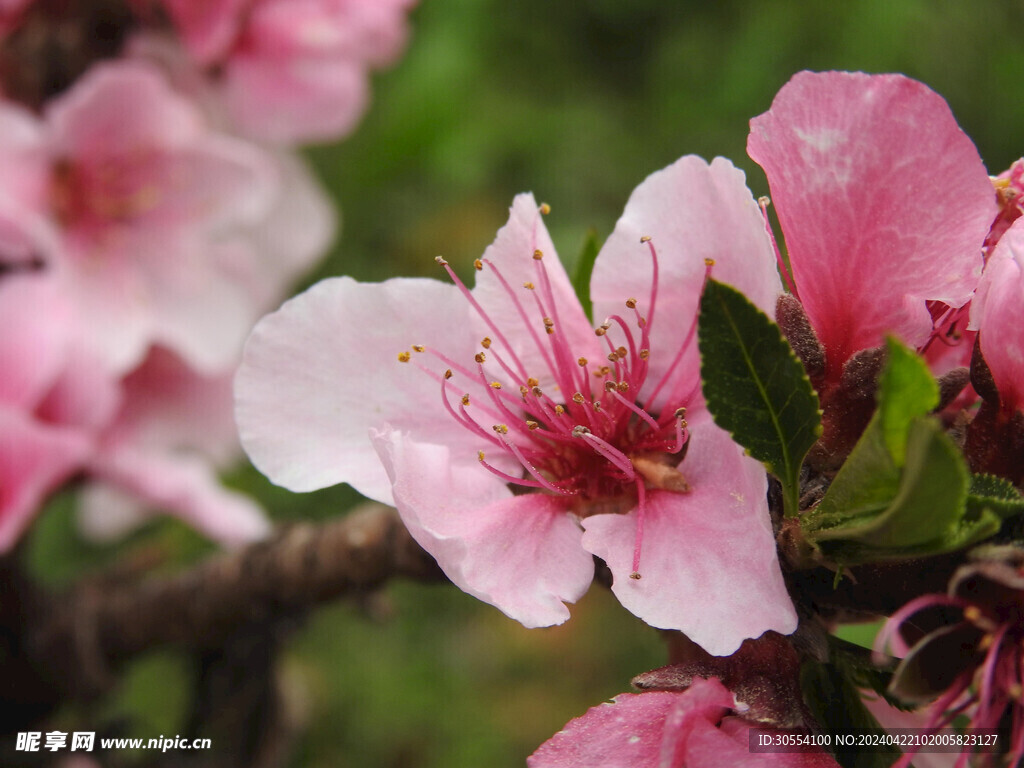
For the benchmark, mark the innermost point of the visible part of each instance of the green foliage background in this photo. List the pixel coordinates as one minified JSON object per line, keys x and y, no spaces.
{"x":577,"y":102}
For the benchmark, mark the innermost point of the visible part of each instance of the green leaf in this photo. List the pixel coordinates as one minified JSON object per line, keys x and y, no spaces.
{"x":755,"y":386}
{"x":995,"y":495}
{"x":906,"y":390}
{"x":835,"y":702}
{"x":584,"y":268}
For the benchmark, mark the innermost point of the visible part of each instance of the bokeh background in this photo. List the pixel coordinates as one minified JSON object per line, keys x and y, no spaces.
{"x":577,"y":102}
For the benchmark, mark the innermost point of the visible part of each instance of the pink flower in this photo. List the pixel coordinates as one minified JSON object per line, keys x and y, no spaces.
{"x":698,"y":728}
{"x":884,"y":204}
{"x":137,"y":194}
{"x":506,"y":388}
{"x":35,"y":456}
{"x":998,"y":313}
{"x":293,"y":70}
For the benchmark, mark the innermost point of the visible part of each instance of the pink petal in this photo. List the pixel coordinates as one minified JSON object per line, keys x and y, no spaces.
{"x":321,"y":371}
{"x":708,"y":560}
{"x":207,"y":27}
{"x":883,"y":201}
{"x":512,"y":253}
{"x":730,"y":744}
{"x":692,"y":211}
{"x":646,"y":730}
{"x":521,"y":554}
{"x":34,"y":460}
{"x":185,"y":486}
{"x":998,"y":313}
{"x":33,"y":344}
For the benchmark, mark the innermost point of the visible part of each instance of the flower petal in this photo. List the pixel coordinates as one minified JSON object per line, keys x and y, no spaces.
{"x":521,"y":554}
{"x":708,"y":560}
{"x":322,"y":370}
{"x":883,"y":200}
{"x":512,"y":252}
{"x":635,"y":730}
{"x":692,"y":211}
{"x":998,"y":312}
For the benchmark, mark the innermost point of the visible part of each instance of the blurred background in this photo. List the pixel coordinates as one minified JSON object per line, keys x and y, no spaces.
{"x":577,"y":102}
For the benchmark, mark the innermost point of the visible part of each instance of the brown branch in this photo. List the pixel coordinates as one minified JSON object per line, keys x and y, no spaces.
{"x":78,"y":638}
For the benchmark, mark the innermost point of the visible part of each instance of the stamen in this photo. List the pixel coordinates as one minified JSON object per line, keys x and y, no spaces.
{"x":641,"y":515}
{"x":507,"y":477}
{"x":418,"y":348}
{"x":609,"y":451}
{"x":545,"y":209}
{"x":404,"y":357}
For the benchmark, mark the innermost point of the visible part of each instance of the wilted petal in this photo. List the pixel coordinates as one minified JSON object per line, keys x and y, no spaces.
{"x":883,"y":201}
{"x":521,"y":554}
{"x":708,"y":560}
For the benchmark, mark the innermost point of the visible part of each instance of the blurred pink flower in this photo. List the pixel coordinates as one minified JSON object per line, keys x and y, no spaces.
{"x":508,"y":386}
{"x":884,"y":204}
{"x":698,"y":728}
{"x":293,"y":70}
{"x":137,"y":194}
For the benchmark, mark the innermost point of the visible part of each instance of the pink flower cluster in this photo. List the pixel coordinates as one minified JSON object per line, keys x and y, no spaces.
{"x":518,"y":440}
{"x":142,"y":232}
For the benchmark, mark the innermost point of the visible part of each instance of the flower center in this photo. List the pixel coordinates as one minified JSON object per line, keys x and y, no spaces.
{"x":588,"y":434}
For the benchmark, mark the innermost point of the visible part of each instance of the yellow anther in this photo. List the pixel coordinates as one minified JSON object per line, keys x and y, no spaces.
{"x":631,"y":303}
{"x":538,"y":254}
{"x":559,"y":410}
{"x":545,"y":209}
{"x":495,"y":385}
{"x":972,"y":613}
{"x":709,"y":262}
{"x":448,"y":374}
{"x":680,"y":413}
{"x":537,"y":392}
{"x":480,"y":455}
{"x":404,"y":357}
{"x":644,"y":354}
{"x":609,"y":386}
{"x":986,"y":642}
{"x":529,"y":286}
{"x":440,"y":260}
{"x":577,"y":398}
{"x":581,"y":362}
{"x":523,"y":391}
{"x":532,"y":382}
{"x":597,"y":405}
{"x":485,"y":342}
{"x":478,"y":265}
{"x":550,"y":330}
{"x":635,"y":575}
{"x":548,"y":322}
{"x":480,"y":357}
{"x":465,"y":399}
{"x":600,"y":331}
{"x":613,"y":357}
{"x":532,"y":424}
{"x":622,"y":386}
{"x":645,"y":239}
{"x":501,"y":429}
{"x":418,"y":348}
{"x":621,"y":352}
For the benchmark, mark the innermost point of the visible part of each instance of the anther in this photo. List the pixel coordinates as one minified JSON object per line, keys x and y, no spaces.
{"x":545,"y":209}
{"x":600,"y":331}
{"x":440,"y":260}
{"x":645,"y":239}
{"x":582,"y":362}
{"x":579,"y":431}
{"x":597,"y":406}
{"x":537,"y":391}
{"x":680,"y":413}
{"x":480,"y":455}
{"x":448,"y":374}
{"x":559,"y":410}
{"x":538,"y":254}
{"x":643,"y":354}
{"x":622,"y":386}
{"x":631,"y":303}
{"x":532,"y":382}
{"x":478,"y":265}
{"x":709,"y":262}
{"x":532,"y":424}
{"x":621,"y":352}
{"x":764,"y":201}
{"x":523,"y":391}
{"x":577,"y":398}
{"x":465,"y":399}
{"x":529,"y":286}
{"x":404,"y":357}
{"x":548,"y":322}
{"x":613,"y":357}
{"x":480,"y":357}
{"x":495,"y":385}
{"x":501,"y":429}
{"x":485,"y":342}
{"x":609,"y":386}
{"x":635,"y":575}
